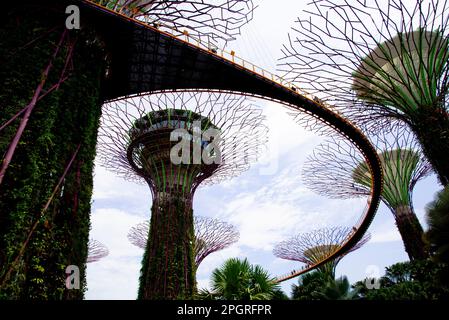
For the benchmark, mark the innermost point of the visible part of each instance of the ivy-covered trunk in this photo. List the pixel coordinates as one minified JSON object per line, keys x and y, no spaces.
{"x":168,"y":264}
{"x":67,"y":117}
{"x":431,"y":127}
{"x":411,"y":232}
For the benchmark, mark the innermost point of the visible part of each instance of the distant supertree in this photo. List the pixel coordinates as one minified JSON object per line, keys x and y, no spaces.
{"x":209,"y":19}
{"x":211,"y":235}
{"x":96,"y":251}
{"x":312,"y":247}
{"x":336,"y":170}
{"x":379,"y":61}
{"x":220,"y":135}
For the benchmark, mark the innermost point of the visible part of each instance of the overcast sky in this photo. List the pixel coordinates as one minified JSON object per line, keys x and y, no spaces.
{"x":268,"y":203}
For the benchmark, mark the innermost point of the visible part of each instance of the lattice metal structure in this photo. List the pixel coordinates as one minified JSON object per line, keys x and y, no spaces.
{"x":211,"y":235}
{"x":175,"y":142}
{"x":313,"y":247}
{"x":210,"y":20}
{"x":138,"y":57}
{"x":96,"y":251}
{"x":379,"y":61}
{"x":337,"y":171}
{"x":138,"y":234}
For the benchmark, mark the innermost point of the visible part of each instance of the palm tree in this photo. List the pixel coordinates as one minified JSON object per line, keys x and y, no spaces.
{"x":338,"y":289}
{"x":239,"y":280}
{"x":388,"y":64}
{"x":438,"y":221}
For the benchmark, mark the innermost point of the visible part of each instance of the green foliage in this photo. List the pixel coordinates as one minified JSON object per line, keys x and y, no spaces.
{"x":309,"y":285}
{"x":416,"y":280}
{"x":278,"y":294}
{"x":239,"y":280}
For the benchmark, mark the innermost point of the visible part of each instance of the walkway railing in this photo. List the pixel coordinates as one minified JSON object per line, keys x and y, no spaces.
{"x":185,"y":36}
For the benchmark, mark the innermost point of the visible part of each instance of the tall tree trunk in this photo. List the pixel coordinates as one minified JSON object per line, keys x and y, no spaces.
{"x":411,"y":232}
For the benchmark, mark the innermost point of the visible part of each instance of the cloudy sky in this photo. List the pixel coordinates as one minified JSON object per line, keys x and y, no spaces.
{"x":267,"y":203}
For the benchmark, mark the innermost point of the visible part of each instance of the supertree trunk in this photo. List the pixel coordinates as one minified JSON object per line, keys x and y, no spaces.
{"x":431,"y":127}
{"x":168,"y":269}
{"x":411,"y":232}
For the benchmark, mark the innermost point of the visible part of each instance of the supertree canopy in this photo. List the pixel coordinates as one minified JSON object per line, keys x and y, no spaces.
{"x":379,"y":61}
{"x":211,"y":235}
{"x":335,"y":170}
{"x":209,"y":20}
{"x":96,"y":251}
{"x":54,"y":81}
{"x":175,"y":142}
{"x":313,"y":247}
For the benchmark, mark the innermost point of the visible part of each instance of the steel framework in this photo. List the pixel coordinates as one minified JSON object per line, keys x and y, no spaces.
{"x":337,"y":171}
{"x":379,"y":62}
{"x":96,"y":251}
{"x":313,"y":247}
{"x":146,"y":58}
{"x":211,"y":235}
{"x":240,"y":122}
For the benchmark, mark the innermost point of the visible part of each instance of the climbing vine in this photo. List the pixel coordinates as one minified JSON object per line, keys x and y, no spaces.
{"x":63,"y":119}
{"x":168,"y":267}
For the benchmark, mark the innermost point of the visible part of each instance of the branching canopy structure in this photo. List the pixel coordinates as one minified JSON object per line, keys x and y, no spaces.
{"x":96,"y":251}
{"x":378,"y":61}
{"x":175,"y":142}
{"x":336,"y":170}
{"x":210,"y":20}
{"x":311,"y":248}
{"x":211,"y":235}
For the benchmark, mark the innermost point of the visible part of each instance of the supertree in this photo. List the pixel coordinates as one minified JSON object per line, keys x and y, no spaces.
{"x":379,"y":61}
{"x":49,"y":115}
{"x":313,"y":247}
{"x":336,"y":170}
{"x":96,"y":251}
{"x":211,"y":235}
{"x":54,"y":81}
{"x":139,"y":141}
